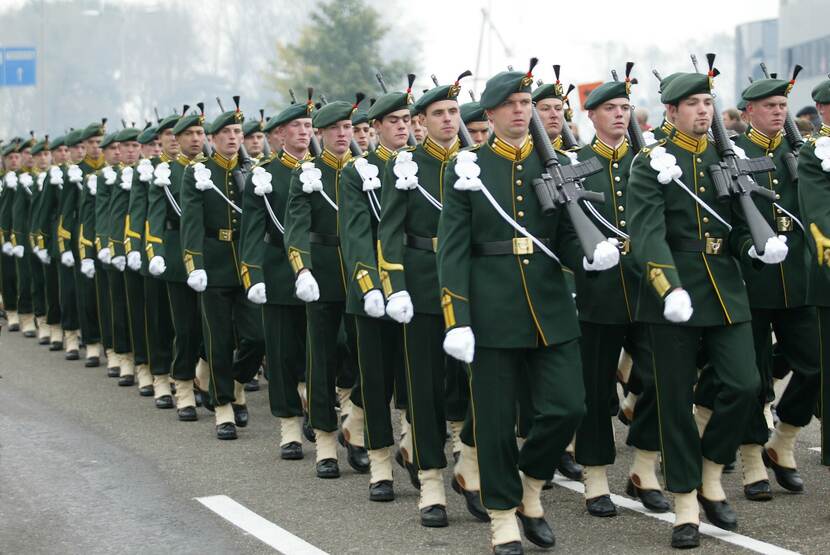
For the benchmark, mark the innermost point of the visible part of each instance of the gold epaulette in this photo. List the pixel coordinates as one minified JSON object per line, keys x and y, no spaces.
{"x":647,"y":149}
{"x":198,"y":158}
{"x":407,"y":148}
{"x":466,"y":149}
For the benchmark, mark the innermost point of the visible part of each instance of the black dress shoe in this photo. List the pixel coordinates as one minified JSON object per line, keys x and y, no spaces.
{"x":327,"y":469}
{"x":685,"y":536}
{"x":358,"y":457}
{"x":381,"y":491}
{"x":308,"y":431}
{"x":146,"y":391}
{"x":72,"y":355}
{"x":601,"y":505}
{"x":226,"y":430}
{"x":197,"y":394}
{"x":719,"y":513}
{"x":206,"y":401}
{"x":43,"y":341}
{"x":127,"y":380}
{"x":113,"y":371}
{"x":92,"y":362}
{"x":30,"y":334}
{"x":787,"y":478}
{"x":473,"y":501}
{"x":187,"y":414}
{"x":652,"y":499}
{"x":434,"y":516}
{"x":252,"y":385}
{"x":292,"y":451}
{"x":547,"y":485}
{"x":758,"y":491}
{"x":56,"y":346}
{"x":537,"y":530}
{"x":568,"y":468}
{"x":509,"y":548}
{"x":410,"y":469}
{"x":14,"y":327}
{"x":240,"y":415}
{"x":164,"y":402}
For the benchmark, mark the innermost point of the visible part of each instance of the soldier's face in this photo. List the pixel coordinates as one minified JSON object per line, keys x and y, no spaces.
{"x":442,"y":120}
{"x":254,"y":143}
{"x":611,"y":119}
{"x":552,"y":111}
{"x":93,"y":147}
{"x":361,"y":135}
{"x":296,"y":136}
{"x":479,"y":131}
{"x":511,"y":118}
{"x":60,"y":154}
{"x":824,"y":112}
{"x":12,"y":162}
{"x":130,"y":152}
{"x":767,"y":115}
{"x":191,"y":140}
{"x":42,"y":159}
{"x":112,"y":153}
{"x":393,"y":128}
{"x":693,"y":114}
{"x":77,"y":152}
{"x":169,"y":144}
{"x":337,"y":137}
{"x":228,"y":139}
{"x":155,"y":147}
{"x":418,"y":130}
{"x":26,"y":158}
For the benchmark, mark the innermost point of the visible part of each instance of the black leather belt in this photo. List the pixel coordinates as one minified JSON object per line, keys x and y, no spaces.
{"x":323,"y":239}
{"x":518,"y":246}
{"x":171,"y":225}
{"x":709,"y":245}
{"x":226,"y":235}
{"x":421,"y":243}
{"x":272,"y":239}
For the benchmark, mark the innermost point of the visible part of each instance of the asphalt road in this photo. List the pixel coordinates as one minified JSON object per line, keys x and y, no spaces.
{"x":90,"y":467}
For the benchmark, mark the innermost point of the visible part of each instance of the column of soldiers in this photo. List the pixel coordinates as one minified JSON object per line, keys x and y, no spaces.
{"x":370,"y":257}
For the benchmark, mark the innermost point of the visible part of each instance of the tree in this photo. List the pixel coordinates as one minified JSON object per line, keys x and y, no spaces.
{"x":338,"y":53}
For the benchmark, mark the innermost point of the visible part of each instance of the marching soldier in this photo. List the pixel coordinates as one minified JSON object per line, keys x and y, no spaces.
{"x":475,"y":118}
{"x":11,"y":165}
{"x":40,"y":162}
{"x":30,"y":302}
{"x":254,"y":137}
{"x":360,"y":125}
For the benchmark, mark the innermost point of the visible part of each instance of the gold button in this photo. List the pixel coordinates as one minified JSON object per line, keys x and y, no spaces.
{"x":775,"y":182}
{"x":525,"y":261}
{"x":519,"y":167}
{"x":777,"y":197}
{"x":521,"y":214}
{"x":702,"y":189}
{"x":520,"y":198}
{"x":777,"y":210}
{"x":705,"y":220}
{"x":617,"y":178}
{"x":622,"y":223}
{"x":621,"y":208}
{"x":615,"y":165}
{"x":769,"y":154}
{"x":706,"y":234}
{"x":518,"y":182}
{"x":701,"y":174}
{"x":619,"y":193}
{"x":698,"y":160}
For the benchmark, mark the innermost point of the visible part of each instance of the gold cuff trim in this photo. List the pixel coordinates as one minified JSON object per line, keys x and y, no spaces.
{"x":822,"y":245}
{"x":364,"y":281}
{"x":659,"y":281}
{"x":296,"y":260}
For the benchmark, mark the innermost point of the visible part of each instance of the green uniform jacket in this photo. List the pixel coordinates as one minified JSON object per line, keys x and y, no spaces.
{"x":776,"y":285}
{"x":21,"y":211}
{"x":164,"y":223}
{"x":511,"y":301}
{"x":209,"y":226}
{"x":669,"y":231}
{"x":103,"y":198}
{"x":264,"y":259}
{"x":814,"y":199}
{"x":86,"y":209}
{"x":49,"y":216}
{"x":609,"y":297}
{"x":119,"y":211}
{"x":42,"y":187}
{"x":408,"y":217}
{"x":309,"y":219}
{"x":137,"y":236}
{"x":7,"y":199}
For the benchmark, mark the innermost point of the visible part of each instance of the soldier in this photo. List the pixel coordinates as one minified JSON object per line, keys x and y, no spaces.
{"x":684,"y":248}
{"x":254,"y":137}
{"x":165,"y":255}
{"x":30,"y":303}
{"x":360,"y":125}
{"x":210,"y":243}
{"x":474,"y":117}
{"x":267,"y":275}
{"x":508,"y":312}
{"x":11,"y":165}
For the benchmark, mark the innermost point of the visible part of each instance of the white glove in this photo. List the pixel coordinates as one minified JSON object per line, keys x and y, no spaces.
{"x":256,"y":294}
{"x":134,"y":260}
{"x":399,"y":307}
{"x":606,"y":255}
{"x":7,"y":248}
{"x":306,"y":287}
{"x":373,"y":303}
{"x":775,"y":251}
{"x":677,"y":306}
{"x":75,"y":174}
{"x":88,"y":267}
{"x":156,"y":267}
{"x":104,"y":255}
{"x":17,"y":251}
{"x":120,"y":262}
{"x":197,"y":280}
{"x":67,"y":259}
{"x":43,"y":256}
{"x":460,"y":343}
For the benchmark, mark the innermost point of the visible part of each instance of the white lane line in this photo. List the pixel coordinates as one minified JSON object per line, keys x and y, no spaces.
{"x":707,"y":529}
{"x":816,"y":449}
{"x":264,"y":530}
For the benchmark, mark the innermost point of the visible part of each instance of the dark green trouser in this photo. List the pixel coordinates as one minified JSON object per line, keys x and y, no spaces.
{"x":285,"y":338}
{"x":8,"y":267}
{"x":87,"y":306}
{"x":24,"y":284}
{"x":159,"y":324}
{"x":187,"y":326}
{"x":230,"y":322}
{"x":53,"y":293}
{"x":38,"y":284}
{"x":68,"y":297}
{"x":119,"y":318}
{"x":400,"y":391}
{"x":347,"y":371}
{"x":322,"y":360}
{"x":134,"y":287}
{"x":456,"y":391}
{"x":426,"y":377}
{"x":824,"y":401}
{"x":600,"y":347}
{"x":558,"y":401}
{"x":102,"y":288}
{"x":731,"y":353}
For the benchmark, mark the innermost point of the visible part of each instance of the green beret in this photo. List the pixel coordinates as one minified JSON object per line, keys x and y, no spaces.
{"x":502,"y":85}
{"x":360,"y":116}
{"x":73,"y":137}
{"x":664,"y":82}
{"x":92,"y":130}
{"x":472,"y":111}
{"x":549,"y":90}
{"x":388,"y":103}
{"x":607,"y":91}
{"x":685,"y":85}
{"x":127,"y":134}
{"x":108,"y":140}
{"x":28,"y":143}
{"x":167,"y":123}
{"x":821,"y":92}
{"x":741,"y":105}
{"x":223,"y":120}
{"x":331,"y":113}
{"x":294,"y":111}
{"x":251,"y":126}
{"x":148,"y":135}
{"x":436,"y":94}
{"x":764,"y":88}
{"x":184,"y":122}
{"x":56,"y":142}
{"x":9,"y":148}
{"x":40,"y":146}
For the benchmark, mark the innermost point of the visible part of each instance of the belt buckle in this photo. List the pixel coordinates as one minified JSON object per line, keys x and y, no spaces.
{"x":714,"y":245}
{"x":434,"y":244}
{"x":226,"y":235}
{"x":625,"y":246}
{"x":784,"y":223}
{"x":522,"y":246}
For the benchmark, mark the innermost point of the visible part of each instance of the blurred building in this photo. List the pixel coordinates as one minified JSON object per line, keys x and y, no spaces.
{"x":755,"y":42}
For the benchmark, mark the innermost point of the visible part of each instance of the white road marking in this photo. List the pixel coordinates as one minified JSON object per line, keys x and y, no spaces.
{"x":264,"y":530}
{"x":707,"y":529}
{"x":816,"y":449}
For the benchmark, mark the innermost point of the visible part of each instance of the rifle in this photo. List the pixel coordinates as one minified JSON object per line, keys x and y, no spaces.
{"x":411,"y":79}
{"x":463,"y":134}
{"x":791,"y":132}
{"x":314,"y":144}
{"x":635,"y":133}
{"x":732,"y":176}
{"x":266,"y":148}
{"x":568,"y":140}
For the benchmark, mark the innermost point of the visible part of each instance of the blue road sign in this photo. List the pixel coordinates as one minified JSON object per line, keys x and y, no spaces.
{"x":19,"y":67}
